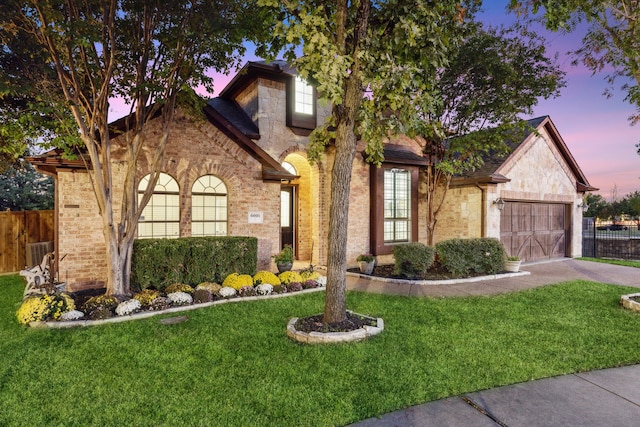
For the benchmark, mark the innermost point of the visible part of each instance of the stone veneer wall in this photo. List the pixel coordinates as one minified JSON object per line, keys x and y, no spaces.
{"x":461,"y":214}
{"x":196,"y":149}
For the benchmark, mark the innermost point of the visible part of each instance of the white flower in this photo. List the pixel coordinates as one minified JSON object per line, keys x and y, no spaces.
{"x":487,"y":254}
{"x":72,"y":315}
{"x":264,"y":289}
{"x":322,"y":280}
{"x":227,"y":292}
{"x":128,"y":307}
{"x":180,"y":298}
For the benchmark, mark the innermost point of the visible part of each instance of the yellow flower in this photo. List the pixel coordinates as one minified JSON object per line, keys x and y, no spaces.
{"x":290,"y":276}
{"x":265,"y":277}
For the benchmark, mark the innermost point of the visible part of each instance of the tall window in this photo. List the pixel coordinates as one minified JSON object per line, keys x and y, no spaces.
{"x":397,"y":205}
{"x":161,"y":217}
{"x":303,"y":97}
{"x":301,"y":106}
{"x":209,"y":207}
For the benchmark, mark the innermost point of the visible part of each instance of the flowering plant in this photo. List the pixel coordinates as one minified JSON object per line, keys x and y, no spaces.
{"x":159,"y":304}
{"x":44,"y":307}
{"x":128,"y":307}
{"x":72,"y":315}
{"x":289,"y":276}
{"x":265,"y":277}
{"x":309,"y":284}
{"x":294,"y":286}
{"x":100,"y":302}
{"x":178,"y":287}
{"x":264,"y":289}
{"x":322,"y":281}
{"x":227,"y":292}
{"x":309,"y":275}
{"x":180,"y":298}
{"x":210,"y":286}
{"x":237,"y":281}
{"x":146,"y":297}
{"x":247,"y":291}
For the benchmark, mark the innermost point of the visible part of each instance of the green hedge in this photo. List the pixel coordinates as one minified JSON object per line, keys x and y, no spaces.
{"x":413,"y":259}
{"x":464,"y":257}
{"x":191,"y":260}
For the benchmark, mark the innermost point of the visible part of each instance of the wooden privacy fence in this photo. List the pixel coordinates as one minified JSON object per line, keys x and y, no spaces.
{"x":17,"y":230}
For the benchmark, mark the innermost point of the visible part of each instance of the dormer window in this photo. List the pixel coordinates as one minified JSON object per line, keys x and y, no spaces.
{"x":301,"y":105}
{"x":303,"y":97}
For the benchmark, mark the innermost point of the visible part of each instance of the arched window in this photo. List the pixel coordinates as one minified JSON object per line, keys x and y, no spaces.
{"x":161,"y":217}
{"x":209,"y":207}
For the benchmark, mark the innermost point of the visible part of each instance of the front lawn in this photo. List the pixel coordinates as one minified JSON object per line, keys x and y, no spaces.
{"x":233,"y":365}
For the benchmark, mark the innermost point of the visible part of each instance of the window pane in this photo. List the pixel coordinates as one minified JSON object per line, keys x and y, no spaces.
{"x":303,"y":97}
{"x":397,"y":205}
{"x":209,"y":207}
{"x":161,"y":217}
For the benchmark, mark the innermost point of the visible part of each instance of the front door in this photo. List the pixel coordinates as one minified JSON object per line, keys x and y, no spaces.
{"x":287,"y":216}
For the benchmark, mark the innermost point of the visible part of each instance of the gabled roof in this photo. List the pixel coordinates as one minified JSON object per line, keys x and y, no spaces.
{"x":489,"y":172}
{"x":275,"y":70}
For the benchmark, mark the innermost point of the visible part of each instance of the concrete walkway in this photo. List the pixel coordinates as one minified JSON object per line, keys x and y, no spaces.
{"x":609,"y":397}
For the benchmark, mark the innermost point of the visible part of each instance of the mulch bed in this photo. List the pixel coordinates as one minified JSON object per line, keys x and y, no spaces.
{"x":315,"y":324}
{"x":436,"y":272}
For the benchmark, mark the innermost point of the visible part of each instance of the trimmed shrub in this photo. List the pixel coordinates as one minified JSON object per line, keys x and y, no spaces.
{"x":178,"y":287}
{"x":413,"y":259}
{"x":192,"y":260}
{"x":265,"y":277}
{"x":464,"y":257}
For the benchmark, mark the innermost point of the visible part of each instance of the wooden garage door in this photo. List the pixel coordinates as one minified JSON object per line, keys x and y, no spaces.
{"x":534,"y":231}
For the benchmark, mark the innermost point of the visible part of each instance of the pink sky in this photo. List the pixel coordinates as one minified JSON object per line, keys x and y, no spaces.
{"x":594,"y":128}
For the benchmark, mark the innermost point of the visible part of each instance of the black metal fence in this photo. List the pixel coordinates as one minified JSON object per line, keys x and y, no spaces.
{"x":610,"y":240}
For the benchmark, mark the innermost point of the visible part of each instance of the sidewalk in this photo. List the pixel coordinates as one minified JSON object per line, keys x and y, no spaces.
{"x":609,"y":397}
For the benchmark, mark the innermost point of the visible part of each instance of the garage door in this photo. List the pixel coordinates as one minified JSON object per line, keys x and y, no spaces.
{"x":535,"y":231}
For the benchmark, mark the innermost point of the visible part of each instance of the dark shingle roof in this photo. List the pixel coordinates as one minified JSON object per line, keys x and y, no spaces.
{"x":236,"y":116}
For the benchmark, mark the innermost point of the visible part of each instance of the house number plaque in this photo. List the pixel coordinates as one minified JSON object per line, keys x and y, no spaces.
{"x":256,"y":217}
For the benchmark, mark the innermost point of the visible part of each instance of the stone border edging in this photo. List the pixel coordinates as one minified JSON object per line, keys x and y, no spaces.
{"x":440,"y":282}
{"x":630,"y":304}
{"x":334,"y":337}
{"x":147,"y":314}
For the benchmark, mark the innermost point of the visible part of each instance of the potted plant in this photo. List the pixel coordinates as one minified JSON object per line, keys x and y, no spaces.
{"x":284,"y":260}
{"x":513,"y":264}
{"x":367,"y":262}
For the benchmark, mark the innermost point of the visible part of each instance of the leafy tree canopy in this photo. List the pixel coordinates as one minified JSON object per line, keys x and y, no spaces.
{"x":612,"y":40}
{"x":22,"y":188}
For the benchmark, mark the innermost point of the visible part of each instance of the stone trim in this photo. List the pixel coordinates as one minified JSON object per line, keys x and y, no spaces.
{"x":334,"y":337}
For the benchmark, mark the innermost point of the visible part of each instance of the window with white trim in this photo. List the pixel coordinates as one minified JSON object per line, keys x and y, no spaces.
{"x":161,"y":217}
{"x":397,"y":205}
{"x":304,"y":98}
{"x":209,"y":207}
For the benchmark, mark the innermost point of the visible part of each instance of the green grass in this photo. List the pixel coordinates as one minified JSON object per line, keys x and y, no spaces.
{"x":232,"y":364}
{"x":626,"y":263}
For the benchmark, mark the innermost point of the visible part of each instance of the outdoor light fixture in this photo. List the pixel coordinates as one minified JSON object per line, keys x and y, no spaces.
{"x":499,"y":203}
{"x":584,"y":207}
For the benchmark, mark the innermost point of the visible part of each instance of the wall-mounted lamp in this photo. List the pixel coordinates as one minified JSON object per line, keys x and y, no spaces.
{"x":584,"y":207}
{"x":499,"y":203}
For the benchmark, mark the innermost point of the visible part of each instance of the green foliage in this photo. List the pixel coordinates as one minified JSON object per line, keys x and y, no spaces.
{"x":413,"y":259}
{"x":365,"y":258}
{"x":433,"y":348}
{"x":22,"y":188}
{"x":285,"y":256}
{"x":464,"y":257}
{"x":210,"y":286}
{"x":611,"y":43}
{"x":191,"y":260}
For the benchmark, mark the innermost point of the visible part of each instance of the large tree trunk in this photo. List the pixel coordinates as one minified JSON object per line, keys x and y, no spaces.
{"x":335,"y":308}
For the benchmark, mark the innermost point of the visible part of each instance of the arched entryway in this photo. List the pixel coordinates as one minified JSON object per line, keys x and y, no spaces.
{"x":298,"y":202}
